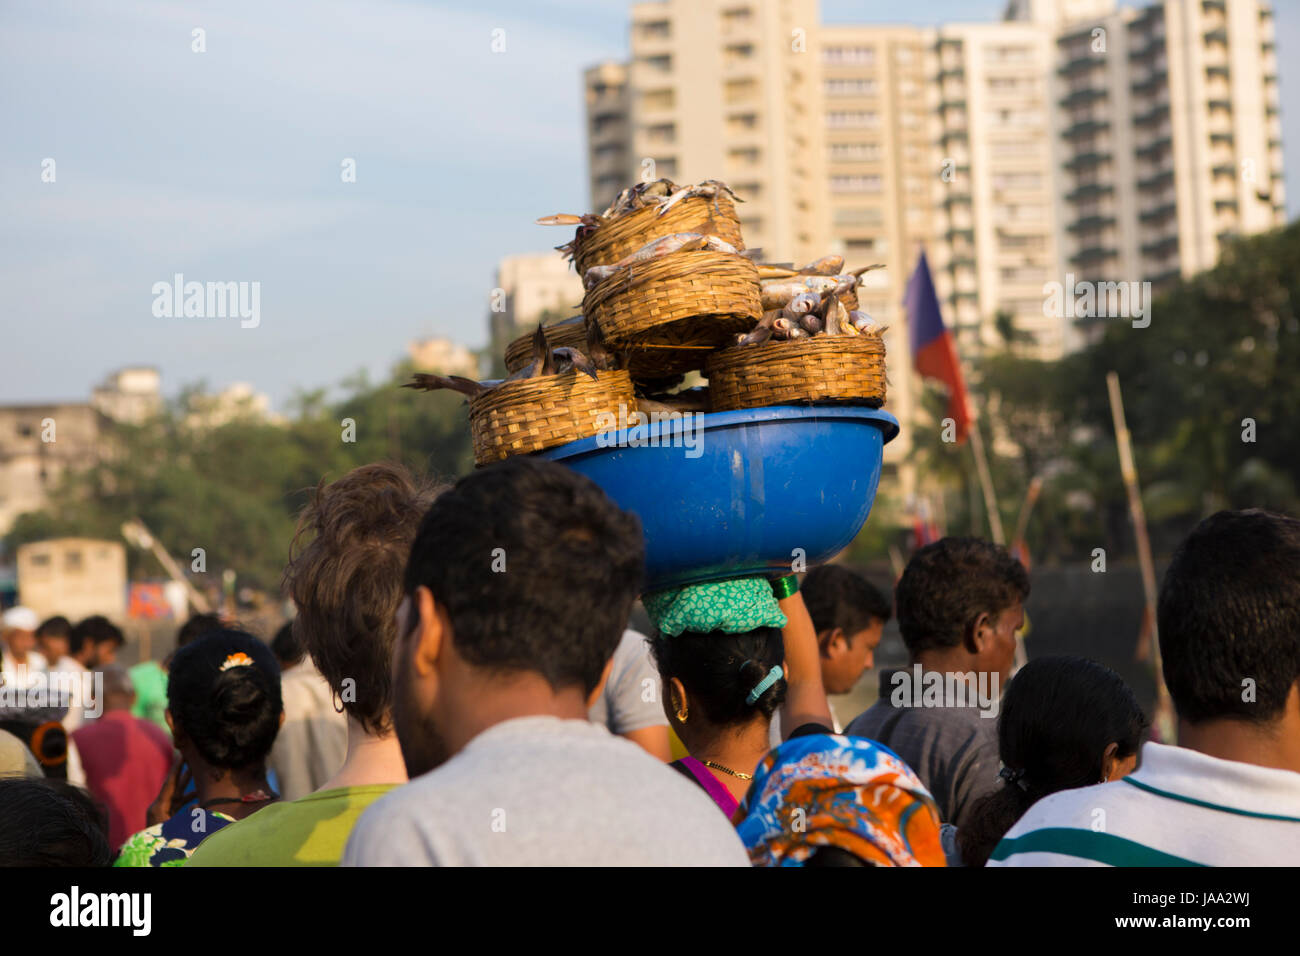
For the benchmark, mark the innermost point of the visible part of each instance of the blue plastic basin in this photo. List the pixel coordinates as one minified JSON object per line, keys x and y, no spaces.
{"x":739,"y":492}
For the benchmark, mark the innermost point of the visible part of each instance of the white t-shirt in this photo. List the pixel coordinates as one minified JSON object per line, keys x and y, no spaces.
{"x":1179,"y":807}
{"x":540,"y":791}
{"x":631,"y":698}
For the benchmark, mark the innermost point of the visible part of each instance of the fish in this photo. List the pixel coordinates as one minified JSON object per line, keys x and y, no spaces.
{"x":831,"y":314}
{"x":635,"y":197}
{"x":601,"y":355}
{"x":777,"y":292}
{"x":782,"y":327}
{"x":798,"y":333}
{"x":863,"y":322}
{"x":562,"y":219}
{"x":825,"y":266}
{"x":859,"y":272}
{"x":710,"y":189}
{"x":759,"y":334}
{"x":652,"y":250}
{"x":429,"y":383}
{"x":576,"y":361}
{"x":717,"y":244}
{"x":803,"y":303}
{"x":812,"y":324}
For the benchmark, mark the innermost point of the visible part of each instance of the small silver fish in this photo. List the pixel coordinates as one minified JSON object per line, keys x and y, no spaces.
{"x":812,"y":324}
{"x":429,"y":383}
{"x":803,"y":303}
{"x":825,"y":266}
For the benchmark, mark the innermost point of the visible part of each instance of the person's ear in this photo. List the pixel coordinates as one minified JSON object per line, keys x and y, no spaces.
{"x":980,"y":637}
{"x":171,"y":724}
{"x":832,"y":642}
{"x":1109,"y":760}
{"x":600,"y":684}
{"x":430,"y":632}
{"x":282,"y":717}
{"x":677,"y":699}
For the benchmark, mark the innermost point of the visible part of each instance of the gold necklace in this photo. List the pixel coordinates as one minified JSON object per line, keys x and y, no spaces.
{"x":718,"y":766}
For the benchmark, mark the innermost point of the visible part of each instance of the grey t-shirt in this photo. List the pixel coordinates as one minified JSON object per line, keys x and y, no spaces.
{"x":953,"y":749}
{"x":540,"y":791}
{"x":630,"y":699}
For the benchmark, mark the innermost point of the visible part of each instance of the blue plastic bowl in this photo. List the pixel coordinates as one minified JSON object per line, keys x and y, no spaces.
{"x":740,"y":492}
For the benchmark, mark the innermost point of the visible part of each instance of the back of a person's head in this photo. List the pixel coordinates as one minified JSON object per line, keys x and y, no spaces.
{"x":947,"y":585}
{"x":198,"y":625}
{"x":95,"y":629}
{"x":838,"y":597}
{"x":536,"y":568}
{"x":1229,"y":617}
{"x":57,"y":626}
{"x":287,"y":646}
{"x":345,"y":576}
{"x":48,"y":823}
{"x":1058,"y":717}
{"x":720,"y":670}
{"x":223,"y":692}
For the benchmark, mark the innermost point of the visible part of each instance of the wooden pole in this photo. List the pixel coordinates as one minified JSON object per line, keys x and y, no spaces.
{"x":986,"y":483}
{"x":1026,"y":507}
{"x":1164,"y":709}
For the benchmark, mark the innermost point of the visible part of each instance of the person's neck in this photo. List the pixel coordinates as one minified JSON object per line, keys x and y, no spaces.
{"x":946,"y":660}
{"x":225,"y":789}
{"x":371,"y":760}
{"x":485,"y":700}
{"x":1275,"y":745}
{"x":739,"y":749}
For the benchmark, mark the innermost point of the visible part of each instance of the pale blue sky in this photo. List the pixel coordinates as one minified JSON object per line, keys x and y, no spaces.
{"x":225,"y":166}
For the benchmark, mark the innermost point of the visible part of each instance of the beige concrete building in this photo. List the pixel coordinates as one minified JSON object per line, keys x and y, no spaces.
{"x":75,"y":577}
{"x":443,"y":356}
{"x":719,"y":89}
{"x":531,"y":288}
{"x":1169,"y":136}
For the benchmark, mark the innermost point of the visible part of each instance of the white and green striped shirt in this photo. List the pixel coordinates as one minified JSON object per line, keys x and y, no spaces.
{"x":1179,"y":808}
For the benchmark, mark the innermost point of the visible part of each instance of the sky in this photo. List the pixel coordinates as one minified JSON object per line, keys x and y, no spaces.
{"x":227,"y":166}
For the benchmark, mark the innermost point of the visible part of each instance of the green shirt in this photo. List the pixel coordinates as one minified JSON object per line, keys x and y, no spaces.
{"x":150,"y":683}
{"x":310,"y":831}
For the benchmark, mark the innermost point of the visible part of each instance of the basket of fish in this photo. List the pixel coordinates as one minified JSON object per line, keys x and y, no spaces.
{"x":561,"y":396}
{"x":571,"y":333}
{"x":647,"y":211}
{"x":669,"y":305}
{"x":811,"y":350}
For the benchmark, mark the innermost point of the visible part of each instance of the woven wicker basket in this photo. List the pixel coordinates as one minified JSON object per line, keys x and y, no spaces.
{"x":530,"y":414}
{"x":841,"y":368}
{"x":617,"y":238}
{"x":669,"y":314}
{"x":569,"y":332}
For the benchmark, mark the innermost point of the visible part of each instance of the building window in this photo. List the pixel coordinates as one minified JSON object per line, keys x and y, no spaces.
{"x":853,"y":86}
{"x":854,"y":152}
{"x":855,"y":184}
{"x":849,"y":55}
{"x":841,"y":119}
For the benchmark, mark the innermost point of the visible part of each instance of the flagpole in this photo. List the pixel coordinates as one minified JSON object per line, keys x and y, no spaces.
{"x":1164,"y":709}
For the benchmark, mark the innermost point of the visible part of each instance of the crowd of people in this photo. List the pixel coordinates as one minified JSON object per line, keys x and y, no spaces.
{"x":461,"y":684}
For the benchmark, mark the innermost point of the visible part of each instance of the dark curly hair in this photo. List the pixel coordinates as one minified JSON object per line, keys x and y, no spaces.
{"x":1058,"y":716}
{"x":719,"y":670}
{"x":949,"y":584}
{"x":230,"y":715}
{"x":51,"y":823}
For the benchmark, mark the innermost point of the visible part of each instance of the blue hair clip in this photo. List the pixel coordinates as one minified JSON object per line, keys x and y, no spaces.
{"x":772,"y":677}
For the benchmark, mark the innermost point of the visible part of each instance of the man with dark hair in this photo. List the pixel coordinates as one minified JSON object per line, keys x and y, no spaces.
{"x":518,"y":590}
{"x":336,"y":753}
{"x":94,"y":642}
{"x":849,"y":615}
{"x":1229,"y":794}
{"x":960,"y":604}
{"x":67,"y":676}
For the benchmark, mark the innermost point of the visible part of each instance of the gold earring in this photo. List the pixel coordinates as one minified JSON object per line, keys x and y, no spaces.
{"x":682,"y":712}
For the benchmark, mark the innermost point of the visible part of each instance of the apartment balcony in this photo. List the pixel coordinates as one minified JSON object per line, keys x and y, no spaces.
{"x":1222,"y":138}
{"x":1165,"y":277}
{"x":1225,"y":205}
{"x":1158,"y":213}
{"x":1157,"y":181}
{"x":1087,"y":127}
{"x":1154,"y":149}
{"x":956,"y":133}
{"x":1154,"y":115}
{"x":1091,"y":223}
{"x":1216,"y":35}
{"x":950,"y":72}
{"x":1089,"y":191}
{"x":1227,"y":170}
{"x":1210,"y":5}
{"x":1079,"y":64}
{"x":1155,"y":81}
{"x":964,"y":232}
{"x":1083,"y":97}
{"x":1088,"y":160}
{"x":1094,"y":255}
{"x":1154,"y":45}
{"x":956,"y":199}
{"x":961,"y":261}
{"x":1161,"y":248}
{"x":1227,"y":235}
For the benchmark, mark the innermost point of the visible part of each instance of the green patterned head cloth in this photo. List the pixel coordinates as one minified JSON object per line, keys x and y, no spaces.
{"x":733,"y":606}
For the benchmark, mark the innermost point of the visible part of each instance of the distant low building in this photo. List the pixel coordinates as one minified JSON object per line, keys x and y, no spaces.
{"x":443,"y":356}
{"x":532,"y":287}
{"x":238,"y":401}
{"x":75,"y":577}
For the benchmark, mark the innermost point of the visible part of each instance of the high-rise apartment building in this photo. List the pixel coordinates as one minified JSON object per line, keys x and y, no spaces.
{"x":1169,"y":136}
{"x":719,"y":89}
